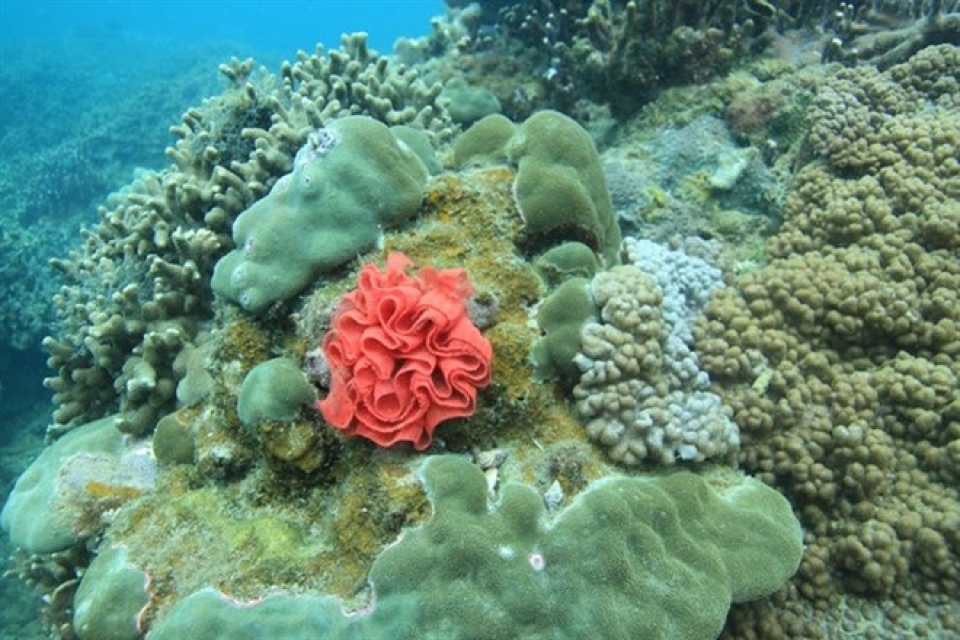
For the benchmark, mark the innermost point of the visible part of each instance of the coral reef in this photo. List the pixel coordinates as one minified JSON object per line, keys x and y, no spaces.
{"x":55,"y":577}
{"x":839,"y":357}
{"x":622,"y":53}
{"x":576,"y":55}
{"x":581,"y":368}
{"x":672,"y":553}
{"x":138,"y":290}
{"x":888,"y":33}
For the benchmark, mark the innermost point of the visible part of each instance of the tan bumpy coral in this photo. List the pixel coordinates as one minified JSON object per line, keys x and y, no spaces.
{"x":640,"y":394}
{"x":841,"y":358}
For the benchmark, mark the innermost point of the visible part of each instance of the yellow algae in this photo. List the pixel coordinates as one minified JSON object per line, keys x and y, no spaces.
{"x":244,"y":340}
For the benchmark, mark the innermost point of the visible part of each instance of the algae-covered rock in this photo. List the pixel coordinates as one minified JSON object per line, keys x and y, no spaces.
{"x":274,"y":390}
{"x":351,"y":180}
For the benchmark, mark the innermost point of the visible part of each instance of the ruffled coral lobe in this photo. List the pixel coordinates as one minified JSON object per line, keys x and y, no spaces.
{"x":404,"y":354}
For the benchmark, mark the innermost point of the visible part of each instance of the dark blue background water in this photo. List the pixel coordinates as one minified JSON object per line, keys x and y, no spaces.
{"x":88,"y":92}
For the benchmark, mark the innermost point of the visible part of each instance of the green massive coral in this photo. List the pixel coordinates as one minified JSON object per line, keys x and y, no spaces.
{"x":560,"y":189}
{"x":657,"y":557}
{"x":352,"y":179}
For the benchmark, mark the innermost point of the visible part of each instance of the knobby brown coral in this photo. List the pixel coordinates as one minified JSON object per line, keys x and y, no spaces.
{"x":841,"y":358}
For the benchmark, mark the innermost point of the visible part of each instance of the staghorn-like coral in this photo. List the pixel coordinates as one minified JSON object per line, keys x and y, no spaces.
{"x":889,"y":32}
{"x":840,"y":357}
{"x":623,"y":53}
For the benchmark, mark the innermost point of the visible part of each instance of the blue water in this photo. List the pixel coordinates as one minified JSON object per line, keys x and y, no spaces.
{"x":88,"y":91}
{"x":274,"y":28}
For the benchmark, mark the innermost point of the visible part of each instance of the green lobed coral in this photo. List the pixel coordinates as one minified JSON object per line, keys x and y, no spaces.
{"x":274,"y":390}
{"x":657,"y":557}
{"x":560,"y":189}
{"x":352,"y":179}
{"x":561,"y":316}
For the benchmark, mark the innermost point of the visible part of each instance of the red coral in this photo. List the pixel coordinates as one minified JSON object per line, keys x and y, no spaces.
{"x":403,"y":354}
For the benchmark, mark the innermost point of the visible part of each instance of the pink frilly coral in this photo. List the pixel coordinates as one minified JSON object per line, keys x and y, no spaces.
{"x":403,"y":354}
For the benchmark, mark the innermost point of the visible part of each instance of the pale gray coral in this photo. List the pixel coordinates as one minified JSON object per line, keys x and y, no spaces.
{"x":642,"y":393}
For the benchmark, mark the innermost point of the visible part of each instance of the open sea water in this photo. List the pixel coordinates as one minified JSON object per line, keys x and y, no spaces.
{"x":88,"y":92}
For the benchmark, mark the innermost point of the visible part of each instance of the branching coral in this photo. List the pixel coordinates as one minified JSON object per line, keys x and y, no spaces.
{"x":624,"y":53}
